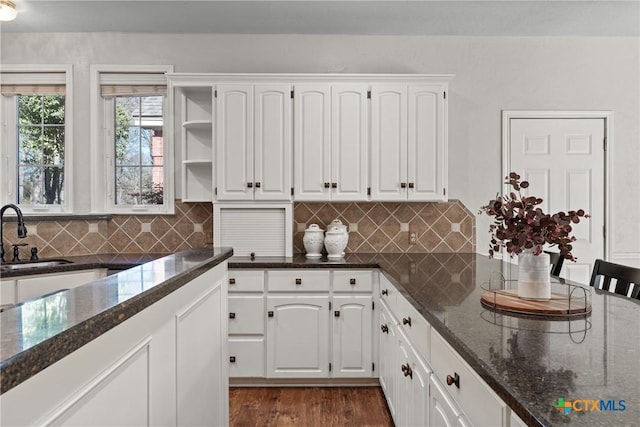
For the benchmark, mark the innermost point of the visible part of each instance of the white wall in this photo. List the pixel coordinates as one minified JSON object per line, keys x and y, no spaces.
{"x":492,"y":74}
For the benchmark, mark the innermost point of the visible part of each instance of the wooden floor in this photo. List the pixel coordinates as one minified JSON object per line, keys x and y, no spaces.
{"x":308,"y":406}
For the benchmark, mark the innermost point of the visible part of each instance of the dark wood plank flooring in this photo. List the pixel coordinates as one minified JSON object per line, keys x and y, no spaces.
{"x":308,"y":406}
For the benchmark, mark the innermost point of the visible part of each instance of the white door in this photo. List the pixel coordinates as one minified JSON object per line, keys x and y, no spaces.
{"x":272,"y":132}
{"x":312,"y":142}
{"x":349,"y":141}
{"x":352,"y":347}
{"x":298,"y":336}
{"x":426,"y":173}
{"x":234,"y":142}
{"x":563,"y":159}
{"x":389,"y":142}
{"x":419,"y":398}
{"x":404,"y":388}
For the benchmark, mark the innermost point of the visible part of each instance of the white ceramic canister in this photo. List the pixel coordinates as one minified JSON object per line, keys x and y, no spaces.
{"x":334,"y":242}
{"x":343,"y":229}
{"x":313,"y":241}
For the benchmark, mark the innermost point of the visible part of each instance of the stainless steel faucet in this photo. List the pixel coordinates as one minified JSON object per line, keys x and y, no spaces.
{"x":22,"y":230}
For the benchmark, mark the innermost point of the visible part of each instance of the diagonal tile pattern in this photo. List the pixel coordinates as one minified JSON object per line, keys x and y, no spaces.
{"x":190,"y":227}
{"x":386,"y":227}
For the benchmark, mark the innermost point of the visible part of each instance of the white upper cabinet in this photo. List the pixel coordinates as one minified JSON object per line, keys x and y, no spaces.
{"x":331,"y":139}
{"x":234,"y":141}
{"x":408,"y":142}
{"x":349,"y":141}
{"x":253,"y":141}
{"x":312,"y":136}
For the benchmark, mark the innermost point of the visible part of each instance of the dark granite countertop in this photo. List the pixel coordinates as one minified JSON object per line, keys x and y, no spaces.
{"x":530,"y":362}
{"x":84,"y":262}
{"x":40,"y":332}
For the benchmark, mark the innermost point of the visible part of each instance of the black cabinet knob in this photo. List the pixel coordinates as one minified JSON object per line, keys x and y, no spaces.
{"x":327,"y":185}
{"x":232,"y":315}
{"x":258,"y":185}
{"x":270,"y":313}
{"x":411,"y":185}
{"x":232,"y":281}
{"x":232,"y":359}
{"x":352,"y":281}
{"x":385,"y":292}
{"x":384,"y":328}
{"x":455,"y":379}
{"x":406,"y":321}
{"x":336,"y":313}
{"x":334,"y":185}
{"x":403,"y":185}
{"x":298,"y":281}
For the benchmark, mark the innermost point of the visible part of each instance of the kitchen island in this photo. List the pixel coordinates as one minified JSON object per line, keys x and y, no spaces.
{"x":126,"y":338}
{"x":529,"y":362}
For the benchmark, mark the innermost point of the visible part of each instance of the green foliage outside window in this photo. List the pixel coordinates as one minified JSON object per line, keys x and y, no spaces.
{"x":41,"y":148}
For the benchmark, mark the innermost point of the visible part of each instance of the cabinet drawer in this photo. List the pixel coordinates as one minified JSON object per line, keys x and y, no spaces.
{"x":298,"y":281}
{"x":246,"y":314}
{"x":246,"y":280}
{"x":353,"y":281}
{"x":388,"y":294}
{"x":477,"y":401}
{"x":246,"y":357}
{"x":414,"y":325}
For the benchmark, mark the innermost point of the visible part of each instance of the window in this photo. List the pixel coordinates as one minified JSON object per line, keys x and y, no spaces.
{"x":136,"y":174}
{"x":37,"y":144}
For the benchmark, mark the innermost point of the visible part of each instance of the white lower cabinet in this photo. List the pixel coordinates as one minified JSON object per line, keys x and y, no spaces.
{"x":298,"y":336}
{"x":310,"y":323}
{"x":164,"y":366}
{"x":352,"y":331}
{"x":415,"y":362}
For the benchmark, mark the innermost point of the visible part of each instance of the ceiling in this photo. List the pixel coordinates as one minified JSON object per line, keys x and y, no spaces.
{"x":397,"y":17}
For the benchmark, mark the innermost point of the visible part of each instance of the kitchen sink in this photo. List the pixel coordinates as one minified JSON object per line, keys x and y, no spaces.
{"x":35,"y":264}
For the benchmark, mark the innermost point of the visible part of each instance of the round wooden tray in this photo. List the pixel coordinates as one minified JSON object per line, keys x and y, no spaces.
{"x":558,"y":305}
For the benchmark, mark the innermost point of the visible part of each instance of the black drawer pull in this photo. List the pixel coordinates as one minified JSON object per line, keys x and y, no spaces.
{"x":232,"y":359}
{"x":455,"y":379}
{"x":298,"y":281}
{"x":232,"y":281}
{"x":406,"y":321}
{"x":384,"y":329}
{"x":232,"y":315}
{"x":352,"y":281}
{"x":270,"y":313}
{"x":336,"y":313}
{"x":385,"y":292}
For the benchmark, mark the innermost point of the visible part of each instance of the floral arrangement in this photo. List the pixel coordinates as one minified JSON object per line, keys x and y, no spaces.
{"x":521,"y":225}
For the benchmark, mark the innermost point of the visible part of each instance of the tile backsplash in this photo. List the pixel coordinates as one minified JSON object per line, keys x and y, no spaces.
{"x":387,"y":227}
{"x":373,"y":227}
{"x":190,"y":226}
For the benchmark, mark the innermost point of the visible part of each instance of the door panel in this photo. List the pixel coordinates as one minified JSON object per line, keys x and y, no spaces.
{"x":272,"y":142}
{"x":312,"y":139}
{"x":563,"y":159}
{"x":234,"y":142}
{"x":352,"y":347}
{"x":349,"y":140}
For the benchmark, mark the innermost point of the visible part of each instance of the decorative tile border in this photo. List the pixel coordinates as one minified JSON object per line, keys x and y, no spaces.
{"x":191,"y":226}
{"x":387,"y":227}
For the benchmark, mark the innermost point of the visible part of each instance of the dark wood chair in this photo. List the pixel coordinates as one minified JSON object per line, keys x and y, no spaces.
{"x":616,"y":278}
{"x":556,"y":262}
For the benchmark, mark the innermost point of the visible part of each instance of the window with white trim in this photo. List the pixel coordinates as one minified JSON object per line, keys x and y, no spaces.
{"x":138,"y":168}
{"x":36,"y":143}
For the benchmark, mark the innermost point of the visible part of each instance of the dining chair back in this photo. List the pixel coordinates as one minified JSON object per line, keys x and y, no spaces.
{"x":556,"y":261}
{"x":616,"y":278}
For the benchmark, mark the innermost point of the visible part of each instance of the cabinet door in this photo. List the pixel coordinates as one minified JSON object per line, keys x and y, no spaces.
{"x":389,"y":142}
{"x":349,"y":141}
{"x":298,"y":336}
{"x":352,"y":346}
{"x":443,"y":412}
{"x":418,"y":400}
{"x":427,"y":152}
{"x":403,"y":383}
{"x":272,"y":144}
{"x":312,"y":142}
{"x":234,"y":142}
{"x":388,"y":365}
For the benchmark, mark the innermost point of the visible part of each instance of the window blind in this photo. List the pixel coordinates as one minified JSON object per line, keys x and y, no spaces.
{"x":12,"y":84}
{"x":132,"y":84}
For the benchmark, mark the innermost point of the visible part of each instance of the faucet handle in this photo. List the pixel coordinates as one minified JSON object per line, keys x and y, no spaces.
{"x":16,"y":251}
{"x":34,"y":254}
